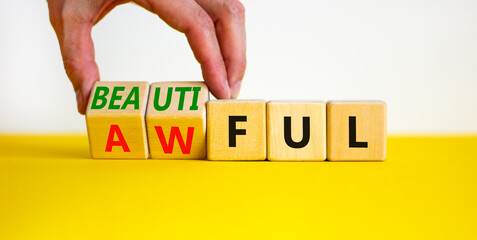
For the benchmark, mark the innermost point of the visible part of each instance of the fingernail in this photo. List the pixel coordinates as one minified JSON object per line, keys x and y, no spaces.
{"x":235,"y":90}
{"x":79,"y":100}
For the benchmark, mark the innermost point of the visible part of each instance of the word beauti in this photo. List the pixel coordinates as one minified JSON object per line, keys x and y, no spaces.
{"x":176,"y":120}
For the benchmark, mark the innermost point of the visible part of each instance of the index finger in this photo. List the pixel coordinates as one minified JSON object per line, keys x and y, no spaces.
{"x":188,"y":17}
{"x":229,"y":18}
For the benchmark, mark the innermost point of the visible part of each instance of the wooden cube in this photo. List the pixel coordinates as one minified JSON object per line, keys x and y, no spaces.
{"x":356,"y":131}
{"x":236,"y":130}
{"x":296,"y":131}
{"x":115,"y":120}
{"x":176,"y":120}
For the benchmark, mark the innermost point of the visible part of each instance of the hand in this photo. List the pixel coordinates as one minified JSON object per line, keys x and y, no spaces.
{"x":215,"y":30}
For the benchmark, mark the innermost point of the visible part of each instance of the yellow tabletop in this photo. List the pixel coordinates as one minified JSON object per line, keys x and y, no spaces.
{"x":51,"y":189}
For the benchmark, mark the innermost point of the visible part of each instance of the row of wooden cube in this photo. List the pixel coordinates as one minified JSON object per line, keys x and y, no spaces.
{"x":176,"y":120}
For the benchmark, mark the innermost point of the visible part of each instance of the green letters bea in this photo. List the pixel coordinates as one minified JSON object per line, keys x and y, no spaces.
{"x":100,"y":95}
{"x":133,"y":94}
{"x":100,"y":100}
{"x":115,"y":97}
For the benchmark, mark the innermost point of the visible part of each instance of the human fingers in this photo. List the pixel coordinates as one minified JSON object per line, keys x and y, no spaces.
{"x":73,"y":21}
{"x":188,"y":17}
{"x":229,"y":18}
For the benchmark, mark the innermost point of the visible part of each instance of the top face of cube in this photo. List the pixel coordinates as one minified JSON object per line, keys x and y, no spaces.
{"x":172,"y":98}
{"x":351,"y":103}
{"x":118,"y":98}
{"x":296,"y":103}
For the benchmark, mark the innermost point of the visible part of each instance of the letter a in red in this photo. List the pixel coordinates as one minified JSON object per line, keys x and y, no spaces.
{"x":121,"y":142}
{"x":175,"y":132}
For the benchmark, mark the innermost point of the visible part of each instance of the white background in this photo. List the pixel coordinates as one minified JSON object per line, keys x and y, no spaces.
{"x":420,"y":56}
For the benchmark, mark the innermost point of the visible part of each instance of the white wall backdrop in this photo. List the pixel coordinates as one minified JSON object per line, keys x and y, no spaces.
{"x":420,"y":56}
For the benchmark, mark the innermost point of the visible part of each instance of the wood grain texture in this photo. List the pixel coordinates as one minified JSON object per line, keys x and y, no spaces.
{"x":300,"y":115}
{"x":190,"y":112}
{"x":370,"y":124}
{"x":249,"y":145}
{"x":125,"y":112}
